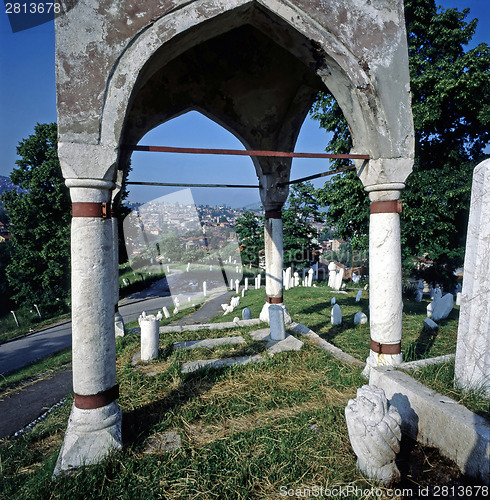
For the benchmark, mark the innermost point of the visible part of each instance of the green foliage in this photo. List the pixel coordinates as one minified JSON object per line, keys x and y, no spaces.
{"x":39,"y":221}
{"x":451,"y":110}
{"x":250,"y":231}
{"x":299,"y":236}
{"x":5,"y":290}
{"x":347,"y":209}
{"x":302,"y":209}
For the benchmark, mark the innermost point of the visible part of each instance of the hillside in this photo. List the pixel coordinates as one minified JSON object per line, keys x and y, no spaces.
{"x":6,"y":184}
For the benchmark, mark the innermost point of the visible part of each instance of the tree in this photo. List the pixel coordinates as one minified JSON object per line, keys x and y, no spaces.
{"x":39,"y":221}
{"x":250,"y":231}
{"x":299,"y":235}
{"x":451,"y":109}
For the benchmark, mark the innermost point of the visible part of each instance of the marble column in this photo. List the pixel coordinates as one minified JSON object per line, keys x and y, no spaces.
{"x":385,"y":276}
{"x":273,"y":243}
{"x":273,"y":256}
{"x":472,"y":365}
{"x":94,"y":427}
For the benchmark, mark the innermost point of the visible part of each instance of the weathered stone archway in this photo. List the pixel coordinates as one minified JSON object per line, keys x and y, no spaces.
{"x":254,"y":66}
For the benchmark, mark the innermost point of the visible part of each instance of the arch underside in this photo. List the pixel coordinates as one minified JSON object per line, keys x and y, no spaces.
{"x":255,"y":68}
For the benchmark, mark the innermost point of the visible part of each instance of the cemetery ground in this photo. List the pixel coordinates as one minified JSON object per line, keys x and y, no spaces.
{"x":252,"y":431}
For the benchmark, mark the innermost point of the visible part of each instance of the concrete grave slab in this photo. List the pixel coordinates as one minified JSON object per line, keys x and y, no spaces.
{"x":438,"y":421}
{"x":208,"y":343}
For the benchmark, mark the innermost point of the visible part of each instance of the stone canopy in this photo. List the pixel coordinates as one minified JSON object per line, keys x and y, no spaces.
{"x":252,"y":66}
{"x":255,"y":67}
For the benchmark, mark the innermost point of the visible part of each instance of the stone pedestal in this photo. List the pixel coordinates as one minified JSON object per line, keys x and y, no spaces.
{"x":150,"y":334}
{"x":276,"y":320}
{"x":385,"y":276}
{"x":472,"y":369}
{"x":90,"y":435}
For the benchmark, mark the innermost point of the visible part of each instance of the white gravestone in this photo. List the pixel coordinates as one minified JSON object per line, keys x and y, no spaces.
{"x":333,"y":301}
{"x":310,"y":277}
{"x":360,"y":318}
{"x":165,"y":312}
{"x":287,"y":278}
{"x":296,"y":279}
{"x":375,"y":434}
{"x":336,"y":315}
{"x":246,"y":313}
{"x":332,"y":273}
{"x":358,"y":296}
{"x":149,"y":336}
{"x":440,"y":308}
{"x":204,"y":288}
{"x":246,"y":283}
{"x":472,"y":368}
{"x":338,"y":279}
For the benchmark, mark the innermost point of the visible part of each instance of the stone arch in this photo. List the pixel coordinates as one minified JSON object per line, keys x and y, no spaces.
{"x":108,"y":54}
{"x":374,"y":129}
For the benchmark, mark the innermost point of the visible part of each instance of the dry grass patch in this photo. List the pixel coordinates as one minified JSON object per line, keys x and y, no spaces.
{"x":201,"y":434}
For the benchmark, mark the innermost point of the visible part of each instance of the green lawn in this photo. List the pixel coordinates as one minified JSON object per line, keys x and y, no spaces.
{"x":248,"y":431}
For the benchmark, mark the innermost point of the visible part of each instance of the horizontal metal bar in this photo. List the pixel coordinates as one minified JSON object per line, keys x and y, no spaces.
{"x":171,"y":184}
{"x":239,"y":152}
{"x":316,"y":176}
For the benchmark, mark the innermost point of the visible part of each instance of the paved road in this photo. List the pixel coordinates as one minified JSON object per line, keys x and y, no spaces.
{"x":19,"y":353}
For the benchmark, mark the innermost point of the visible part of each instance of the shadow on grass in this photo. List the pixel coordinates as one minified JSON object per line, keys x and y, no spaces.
{"x":421,"y":347}
{"x":137,"y":424}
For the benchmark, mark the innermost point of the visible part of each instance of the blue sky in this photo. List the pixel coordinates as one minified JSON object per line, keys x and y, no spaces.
{"x":27,"y":96}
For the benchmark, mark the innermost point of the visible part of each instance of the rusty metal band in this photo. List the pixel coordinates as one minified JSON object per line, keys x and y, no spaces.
{"x":386,"y":207}
{"x":97,"y":400}
{"x":386,"y":348}
{"x":273,"y":214}
{"x":274,"y":300}
{"x":90,"y":209}
{"x":240,"y":152}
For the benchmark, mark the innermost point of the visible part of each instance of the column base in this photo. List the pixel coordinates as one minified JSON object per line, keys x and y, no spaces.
{"x":91,"y":435}
{"x":375,"y":359}
{"x":119,"y":324}
{"x":264,"y":314}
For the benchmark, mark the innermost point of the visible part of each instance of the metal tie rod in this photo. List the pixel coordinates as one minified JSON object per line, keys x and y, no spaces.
{"x":172,"y":184}
{"x":296,"y":181}
{"x":239,"y":152}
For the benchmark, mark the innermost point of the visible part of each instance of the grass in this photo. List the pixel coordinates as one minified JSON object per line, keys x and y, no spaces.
{"x":440,"y":377}
{"x":28,"y":320}
{"x":247,"y":431}
{"x":311,"y":306}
